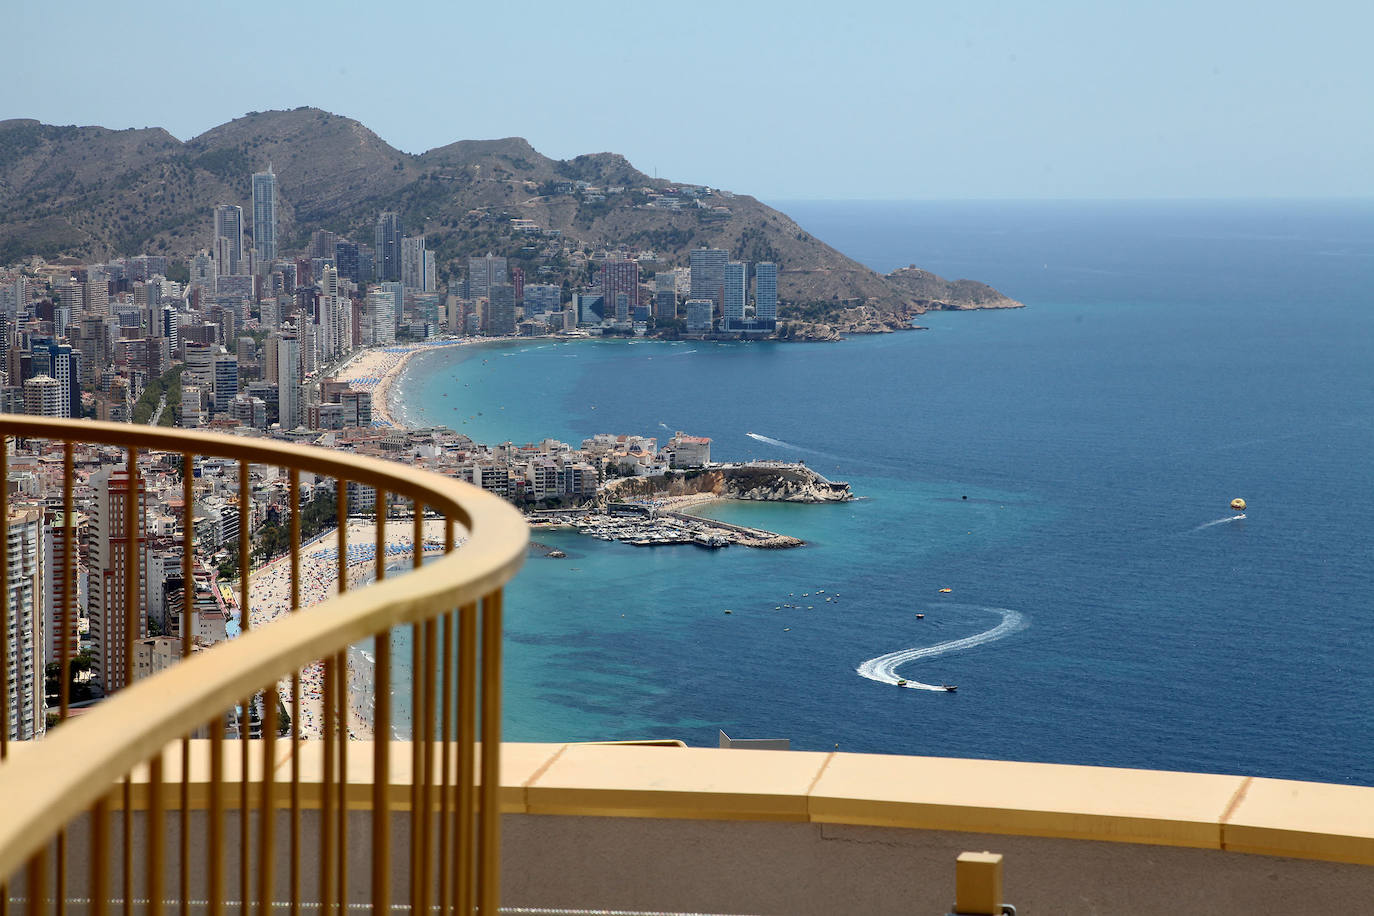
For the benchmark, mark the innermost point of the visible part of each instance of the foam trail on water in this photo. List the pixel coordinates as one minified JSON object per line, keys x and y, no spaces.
{"x":884,"y":668}
{"x":778,"y":442}
{"x":1220,"y":521}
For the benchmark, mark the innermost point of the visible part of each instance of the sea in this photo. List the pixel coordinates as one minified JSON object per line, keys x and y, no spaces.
{"x":1043,"y":515}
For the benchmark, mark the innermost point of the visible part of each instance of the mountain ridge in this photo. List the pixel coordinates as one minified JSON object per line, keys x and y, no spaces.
{"x":98,"y":193}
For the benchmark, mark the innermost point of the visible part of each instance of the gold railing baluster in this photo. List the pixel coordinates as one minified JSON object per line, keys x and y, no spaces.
{"x":327,"y":796}
{"x":294,"y":489}
{"x":67,"y":618}
{"x":132,"y":632}
{"x":67,"y":635}
{"x":465,"y":836}
{"x":426,"y":736}
{"x":381,"y":742}
{"x":157,"y":836}
{"x":100,"y":857}
{"x":340,"y":713}
{"x":489,"y":847}
{"x":448,"y":836}
{"x":214,"y":846}
{"x":246,"y":708}
{"x":188,"y":597}
{"x":36,"y":884}
{"x":267,"y":821}
{"x":417,"y":761}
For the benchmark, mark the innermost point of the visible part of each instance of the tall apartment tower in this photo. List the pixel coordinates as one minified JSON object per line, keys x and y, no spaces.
{"x":63,"y":363}
{"x":398,"y":303}
{"x":387,"y":239}
{"x":417,"y":264}
{"x":24,"y":634}
{"x":483,"y":274}
{"x":113,"y":559}
{"x":619,"y":288}
{"x":59,"y":557}
{"x":225,"y":379}
{"x":708,"y":274}
{"x":289,"y":380}
{"x":501,"y":310}
{"x":379,"y":314}
{"x":766,"y":292}
{"x":665,"y":294}
{"x":736,"y":293}
{"x":228,"y":247}
{"x":265,"y":216}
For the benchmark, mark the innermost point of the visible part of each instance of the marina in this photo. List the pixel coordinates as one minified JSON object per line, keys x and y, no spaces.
{"x":643,"y":526}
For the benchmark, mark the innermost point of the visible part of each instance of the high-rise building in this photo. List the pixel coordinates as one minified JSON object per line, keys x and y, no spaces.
{"x":398,"y":303}
{"x":665,"y":294}
{"x":708,"y":274}
{"x":114,"y":560}
{"x":541,"y":298}
{"x":483,"y":274}
{"x":59,"y":557}
{"x":346,"y":260}
{"x":63,"y":363}
{"x":24,"y":635}
{"x":203,"y":272}
{"x":322,"y":243}
{"x":387,"y":241}
{"x":501,"y":310}
{"x":226,"y":380}
{"x":417,"y":264}
{"x":228,"y":246}
{"x":699,"y":313}
{"x":620,"y":287}
{"x":289,"y":380}
{"x":736,"y":294}
{"x":766,"y":292}
{"x":379,"y":317}
{"x":265,"y":216}
{"x":42,"y":397}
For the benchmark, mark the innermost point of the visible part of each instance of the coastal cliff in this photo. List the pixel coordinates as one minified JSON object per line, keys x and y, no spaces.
{"x":766,"y":482}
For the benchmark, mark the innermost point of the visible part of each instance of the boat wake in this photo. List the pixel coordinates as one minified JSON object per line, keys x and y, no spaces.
{"x":778,"y":442}
{"x":884,"y":668}
{"x":1220,"y":521}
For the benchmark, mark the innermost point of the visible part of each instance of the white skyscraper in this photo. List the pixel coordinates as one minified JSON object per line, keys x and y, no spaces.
{"x":380,"y":315}
{"x":417,"y":265}
{"x":766,"y":291}
{"x":25,"y":637}
{"x":736,"y":293}
{"x":289,"y":380}
{"x":265,"y":216}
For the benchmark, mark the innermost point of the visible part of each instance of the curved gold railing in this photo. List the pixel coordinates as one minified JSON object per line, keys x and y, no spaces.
{"x":85,"y":769}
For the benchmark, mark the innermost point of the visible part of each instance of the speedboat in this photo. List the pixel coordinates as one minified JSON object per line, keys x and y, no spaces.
{"x":901,"y":683}
{"x":949,"y":687}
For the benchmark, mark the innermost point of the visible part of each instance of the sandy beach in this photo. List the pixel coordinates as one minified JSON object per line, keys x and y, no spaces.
{"x":270,"y":597}
{"x":377,"y":368}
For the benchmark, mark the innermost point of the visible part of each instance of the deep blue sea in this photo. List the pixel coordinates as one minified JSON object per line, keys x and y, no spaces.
{"x":1068,"y":466}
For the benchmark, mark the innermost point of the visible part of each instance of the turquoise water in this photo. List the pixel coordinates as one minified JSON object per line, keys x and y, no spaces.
{"x":1071,"y":462}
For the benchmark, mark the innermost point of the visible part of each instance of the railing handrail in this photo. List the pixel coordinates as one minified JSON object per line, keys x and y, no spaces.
{"x":76,"y":765}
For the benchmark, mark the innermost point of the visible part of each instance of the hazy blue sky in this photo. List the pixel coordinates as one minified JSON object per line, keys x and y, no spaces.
{"x":903,"y":100}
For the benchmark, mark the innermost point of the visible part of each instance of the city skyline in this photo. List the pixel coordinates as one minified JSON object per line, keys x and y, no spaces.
{"x":1075,"y":101}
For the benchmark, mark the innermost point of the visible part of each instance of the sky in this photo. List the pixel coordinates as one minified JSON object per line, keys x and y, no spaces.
{"x":950,"y":100}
